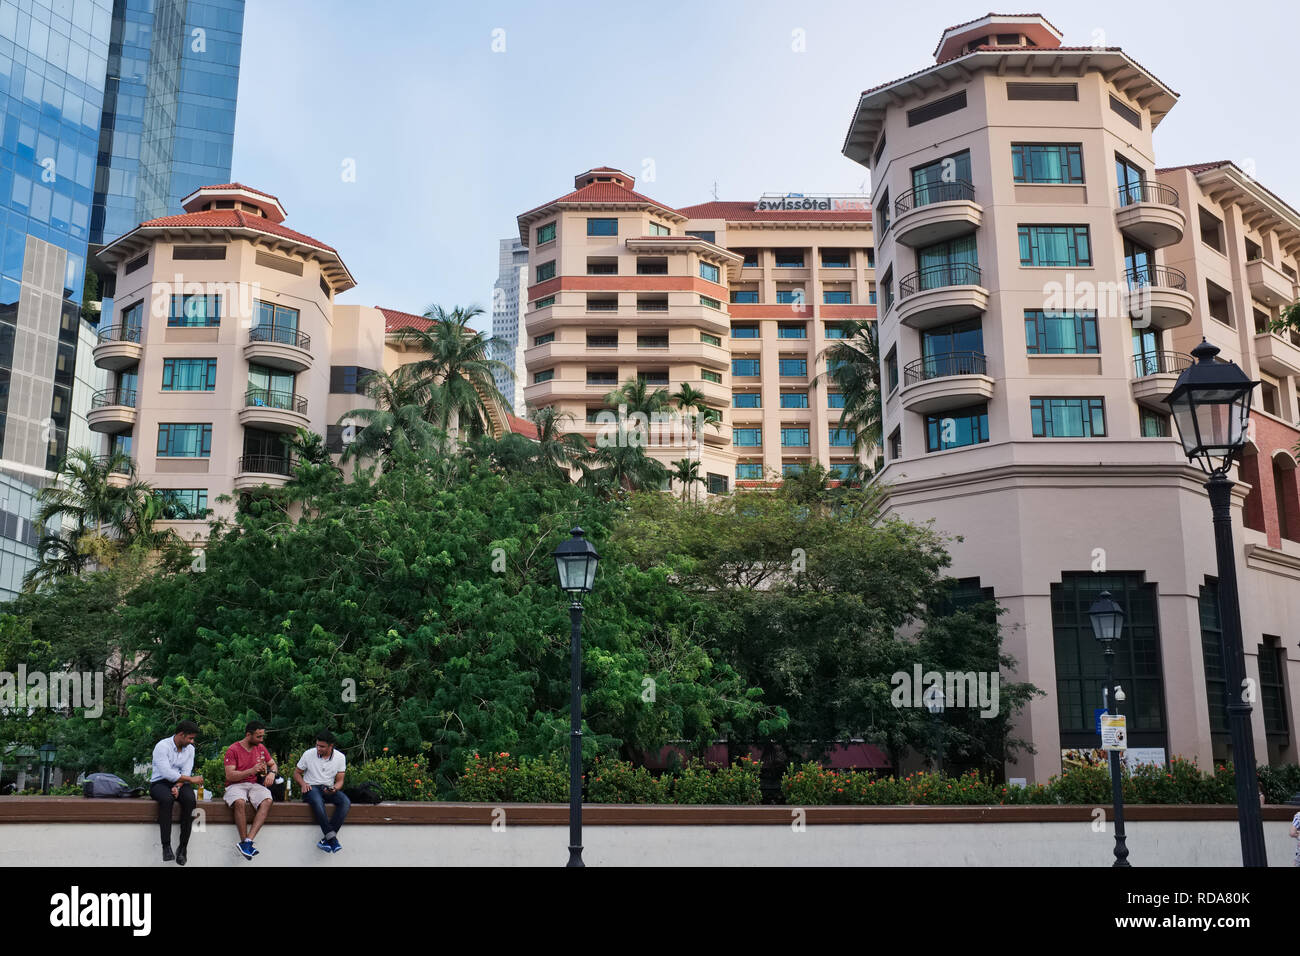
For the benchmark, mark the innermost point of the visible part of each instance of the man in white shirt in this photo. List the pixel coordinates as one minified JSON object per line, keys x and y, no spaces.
{"x":320,"y":777}
{"x":171,"y":782}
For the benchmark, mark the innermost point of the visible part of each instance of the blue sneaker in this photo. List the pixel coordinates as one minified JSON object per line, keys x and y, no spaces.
{"x":245,"y":848}
{"x":323,"y":844}
{"x":253,"y":846}
{"x":335,"y":845}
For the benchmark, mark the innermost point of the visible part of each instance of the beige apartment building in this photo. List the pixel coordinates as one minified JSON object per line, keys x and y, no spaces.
{"x":1042,"y":280}
{"x":736,"y":299}
{"x":225,"y":337}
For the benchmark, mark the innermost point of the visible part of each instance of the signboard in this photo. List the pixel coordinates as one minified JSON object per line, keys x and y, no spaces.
{"x":1097,"y":716}
{"x":1141,"y":755}
{"x":1114,"y":732}
{"x":798,"y":202}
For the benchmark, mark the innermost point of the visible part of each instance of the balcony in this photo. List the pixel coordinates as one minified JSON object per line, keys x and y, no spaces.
{"x":121,"y":474}
{"x":1278,"y":355}
{"x":940,"y":295}
{"x":118,"y":347}
{"x":1148,"y":213}
{"x":253,"y":471}
{"x":937,"y":383}
{"x":273,"y":410}
{"x":112,"y":410}
{"x":1269,"y":284}
{"x":935,"y":212}
{"x":279,"y":347}
{"x":1154,"y":377}
{"x":1159,"y":294}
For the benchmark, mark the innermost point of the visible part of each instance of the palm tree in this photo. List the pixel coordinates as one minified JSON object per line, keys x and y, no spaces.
{"x":853,"y":365}
{"x":396,"y":421}
{"x":459,"y":372}
{"x":623,"y":465}
{"x":687,"y":471}
{"x":636,"y":395}
{"x":558,"y":450}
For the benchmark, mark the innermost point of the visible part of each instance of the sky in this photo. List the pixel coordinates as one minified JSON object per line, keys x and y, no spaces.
{"x":410,"y":135}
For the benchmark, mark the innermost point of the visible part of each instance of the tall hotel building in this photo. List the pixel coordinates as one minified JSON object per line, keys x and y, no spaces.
{"x":1020,"y":213}
{"x":508,"y":306}
{"x":736,"y":299}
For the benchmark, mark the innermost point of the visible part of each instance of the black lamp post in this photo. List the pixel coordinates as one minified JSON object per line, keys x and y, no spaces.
{"x":1107,"y":626}
{"x":1211,"y":407}
{"x":47,"y":752}
{"x":575,"y":560}
{"x":934,"y":704}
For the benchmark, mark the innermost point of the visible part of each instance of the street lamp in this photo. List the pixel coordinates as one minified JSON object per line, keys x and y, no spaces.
{"x":575,"y":560}
{"x":47,"y":752}
{"x":1211,"y":407}
{"x":934,"y":704}
{"x":1107,"y":626}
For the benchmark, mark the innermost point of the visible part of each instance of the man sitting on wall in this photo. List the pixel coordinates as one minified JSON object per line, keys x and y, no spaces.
{"x":320,"y":775}
{"x":171,"y":783}
{"x":250,"y":771}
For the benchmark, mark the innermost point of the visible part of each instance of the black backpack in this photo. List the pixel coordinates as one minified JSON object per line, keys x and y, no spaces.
{"x":368,"y":792}
{"x":106,"y":785}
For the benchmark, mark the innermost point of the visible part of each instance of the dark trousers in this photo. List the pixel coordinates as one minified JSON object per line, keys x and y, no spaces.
{"x":161,"y":791}
{"x":316,"y":798}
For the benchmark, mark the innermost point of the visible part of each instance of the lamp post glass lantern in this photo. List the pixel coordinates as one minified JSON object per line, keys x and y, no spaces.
{"x":1211,"y":408}
{"x":1107,"y":627}
{"x":47,"y":753}
{"x":575,"y":562}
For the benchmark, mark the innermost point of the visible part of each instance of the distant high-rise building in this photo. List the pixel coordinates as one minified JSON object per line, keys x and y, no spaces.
{"x":508,"y":305}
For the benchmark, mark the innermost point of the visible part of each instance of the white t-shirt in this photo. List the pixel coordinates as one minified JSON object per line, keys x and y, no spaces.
{"x":318,"y":772}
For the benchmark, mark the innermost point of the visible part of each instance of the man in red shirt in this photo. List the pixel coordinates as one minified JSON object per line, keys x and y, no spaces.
{"x":250,"y":771}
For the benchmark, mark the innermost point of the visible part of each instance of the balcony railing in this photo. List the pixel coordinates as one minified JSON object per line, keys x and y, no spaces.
{"x":936,"y":277}
{"x":266,"y":465}
{"x":120,"y":333}
{"x":1146,"y":191}
{"x":280,"y":335}
{"x":932,"y":193}
{"x":1160,"y":363}
{"x":113,"y":396}
{"x":124,"y":466}
{"x":1162,"y":277}
{"x":943,"y":365}
{"x":269,"y":398}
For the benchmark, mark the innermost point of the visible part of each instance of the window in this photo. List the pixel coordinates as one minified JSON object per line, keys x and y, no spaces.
{"x":749,"y":471}
{"x":704,"y":234}
{"x":840,"y":471}
{"x":957,"y":429}
{"x":789,"y":297}
{"x":887,"y":290}
{"x":1216,"y":677}
{"x":1272,"y":686}
{"x":794,"y":437}
{"x":545,"y":233}
{"x":744,"y":331}
{"x":593,"y":415}
{"x":1211,"y":229}
{"x":949,"y":104}
{"x":1068,"y":417}
{"x":652,"y":341}
{"x":546,"y":271}
{"x":652,"y":303}
{"x":881,"y":219}
{"x":794,"y":399}
{"x":270,"y":388}
{"x":834,"y":399}
{"x":792,"y":468}
{"x":791,"y":330}
{"x":189,"y":375}
{"x":279,"y":263}
{"x":842,"y":437}
{"x":652,"y":378}
{"x":747,"y":296}
{"x":716,"y":484}
{"x":184,"y":441}
{"x":789,"y":258}
{"x":1269,"y":399}
{"x":659,"y":229}
{"x":1253,"y":251}
{"x":348,"y":379}
{"x":544,"y":376}
{"x":1060,"y":333}
{"x":891,"y":368}
{"x":747,"y":437}
{"x":714,"y":377}
{"x":199,"y":252}
{"x":1126,"y":111}
{"x":837,"y":298}
{"x":792,"y":367}
{"x":1068,"y":92}
{"x":1262,"y":320}
{"x":183,"y":504}
{"x":203,"y":311}
{"x":953,"y":262}
{"x":1153,"y":424}
{"x":1220,"y":302}
{"x":871,"y":293}
{"x":833,"y":330}
{"x":543,"y":339}
{"x":942,"y":180}
{"x":1130,"y":178}
{"x":137,"y":263}
{"x":1056,"y":246}
{"x":544,"y":303}
{"x":602,"y":227}
{"x":1047,"y":162}
{"x":871,"y":258}
{"x":602,"y":303}
{"x":324,"y":287}
{"x":131,"y":320}
{"x":602,"y":340}
{"x":710,"y":303}
{"x":708,"y":339}
{"x":651,"y":266}
{"x":602,"y":267}
{"x":746,"y":368}
{"x":708,"y":271}
{"x":751,"y":258}
{"x":747,"y":400}
{"x":836,"y":259}
{"x":896,"y":444}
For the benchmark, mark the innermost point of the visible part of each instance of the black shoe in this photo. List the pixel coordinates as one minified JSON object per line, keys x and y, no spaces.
{"x":180,"y":855}
{"x":167,"y":854}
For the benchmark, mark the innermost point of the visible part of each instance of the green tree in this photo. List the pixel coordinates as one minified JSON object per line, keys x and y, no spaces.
{"x":396,"y":422}
{"x":557,"y":448}
{"x":853,"y":366}
{"x":687,"y":472}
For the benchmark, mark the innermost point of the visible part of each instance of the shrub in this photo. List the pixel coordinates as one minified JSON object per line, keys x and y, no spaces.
{"x":1280,"y":783}
{"x":400,"y":778}
{"x":1082,"y":785}
{"x":501,"y":778}
{"x":617,"y":781}
{"x":213,"y":772}
{"x":736,"y":785}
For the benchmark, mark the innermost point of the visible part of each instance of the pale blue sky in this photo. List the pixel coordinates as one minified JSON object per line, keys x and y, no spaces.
{"x":451,"y":140}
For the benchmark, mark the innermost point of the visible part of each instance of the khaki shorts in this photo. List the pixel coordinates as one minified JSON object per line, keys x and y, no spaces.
{"x":254,"y":793}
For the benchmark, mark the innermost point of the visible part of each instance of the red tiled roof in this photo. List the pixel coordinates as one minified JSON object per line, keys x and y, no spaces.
{"x":1196,"y":168}
{"x":1017,"y":16}
{"x":602,"y":193}
{"x":395,"y":320}
{"x":521,"y":426}
{"x":249,"y":189}
{"x":1007,"y":50}
{"x":745,"y":212}
{"x":234,"y":219}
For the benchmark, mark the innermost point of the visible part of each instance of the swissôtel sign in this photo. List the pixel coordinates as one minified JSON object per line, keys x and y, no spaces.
{"x":798,"y":202}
